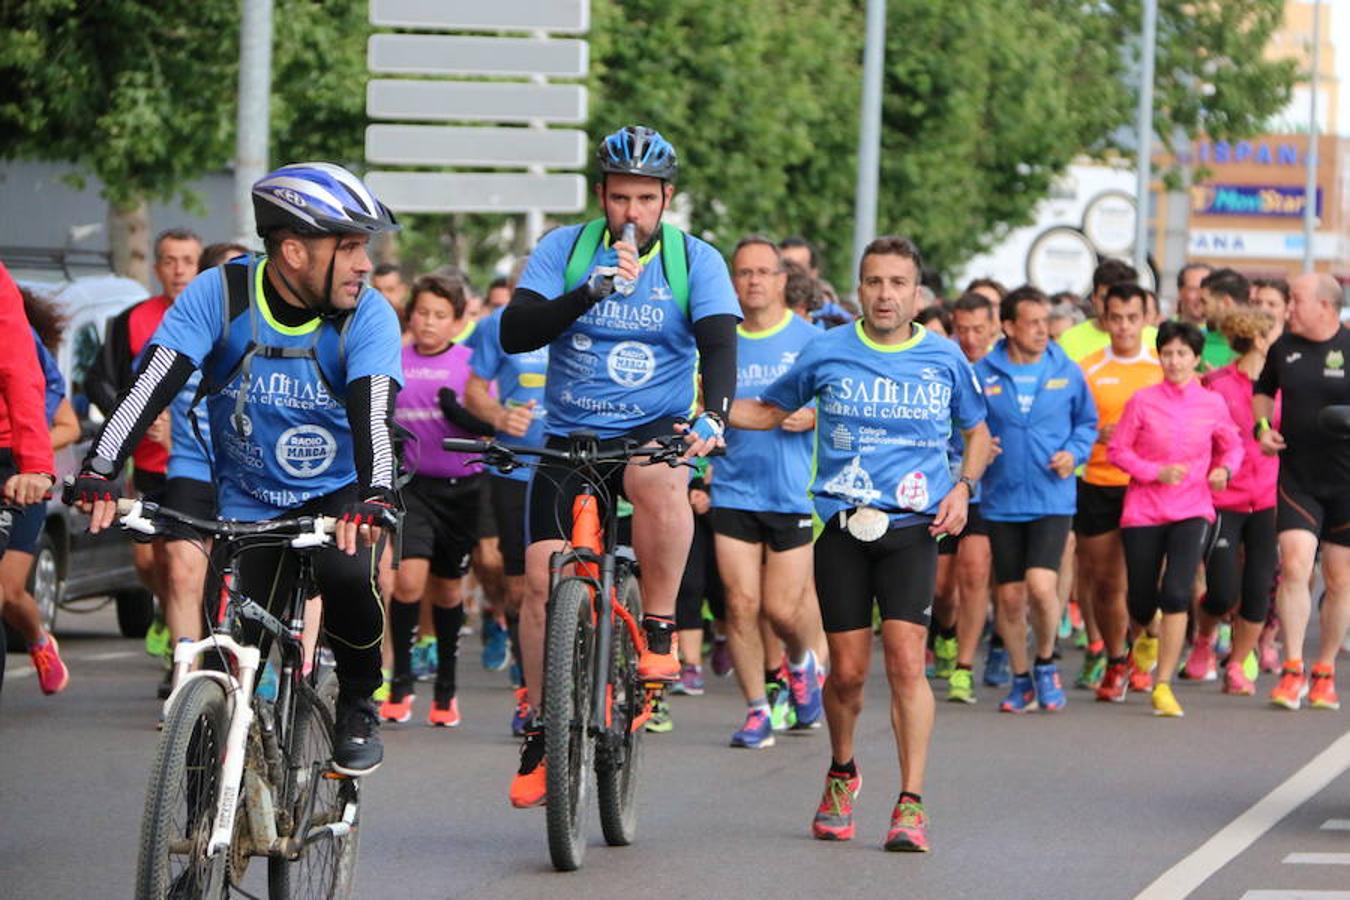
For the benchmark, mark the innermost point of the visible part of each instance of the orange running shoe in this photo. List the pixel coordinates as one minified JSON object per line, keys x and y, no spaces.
{"x":1115,"y":684}
{"x":398,"y":708}
{"x":444,"y":715}
{"x":1141,"y":682}
{"x":1292,"y":687}
{"x":530,"y":786}
{"x":1322,"y":691}
{"x":53,"y":676}
{"x":659,"y":661}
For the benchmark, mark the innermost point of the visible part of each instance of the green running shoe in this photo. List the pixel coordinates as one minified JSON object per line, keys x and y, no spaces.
{"x":961,"y":686}
{"x":1094,"y":668}
{"x":781,"y":713}
{"x":660,"y":721}
{"x":157,"y":640}
{"x":1251,"y":667}
{"x":944,"y":657}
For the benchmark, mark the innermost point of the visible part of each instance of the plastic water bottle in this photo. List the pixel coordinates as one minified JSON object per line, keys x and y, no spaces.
{"x":623,"y":285}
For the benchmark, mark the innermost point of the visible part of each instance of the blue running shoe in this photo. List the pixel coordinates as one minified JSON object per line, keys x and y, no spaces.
{"x":806,"y":693}
{"x":1049,"y":692}
{"x":496,"y":647}
{"x":757,"y":733}
{"x":997,"y":671}
{"x":1022,"y":697}
{"x":424,"y":659}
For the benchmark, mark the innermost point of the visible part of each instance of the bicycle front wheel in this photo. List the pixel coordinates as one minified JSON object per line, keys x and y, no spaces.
{"x":567,"y":706}
{"x":182,"y":798}
{"x":616,"y":777}
{"x":326,"y":865}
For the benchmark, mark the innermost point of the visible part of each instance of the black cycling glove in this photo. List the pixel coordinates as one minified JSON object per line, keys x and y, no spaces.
{"x":376,"y":512}
{"x":88,"y":487}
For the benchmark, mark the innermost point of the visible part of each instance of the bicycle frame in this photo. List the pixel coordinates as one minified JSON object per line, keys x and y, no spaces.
{"x":246,"y":659}
{"x":597,"y":559}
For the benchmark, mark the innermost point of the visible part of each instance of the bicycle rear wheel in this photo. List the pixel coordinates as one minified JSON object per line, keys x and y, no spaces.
{"x":182,"y":797}
{"x":616,"y":777}
{"x":326,"y":866}
{"x":567,"y":706}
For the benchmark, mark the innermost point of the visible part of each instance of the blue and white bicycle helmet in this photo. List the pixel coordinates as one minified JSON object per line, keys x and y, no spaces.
{"x":317,"y":198}
{"x":638,"y":150}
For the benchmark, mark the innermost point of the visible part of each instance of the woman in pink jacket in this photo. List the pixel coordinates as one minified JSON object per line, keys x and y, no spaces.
{"x":1246,"y":514}
{"x":1177,"y":442}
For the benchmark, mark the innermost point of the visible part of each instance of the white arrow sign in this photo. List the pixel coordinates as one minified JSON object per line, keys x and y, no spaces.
{"x":439,"y":145}
{"x":570,"y":16}
{"x":437,"y":54}
{"x":440,"y":192}
{"x":475,"y":101}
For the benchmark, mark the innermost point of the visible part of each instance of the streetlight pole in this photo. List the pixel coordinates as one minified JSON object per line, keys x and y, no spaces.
{"x":869,"y":133}
{"x":1310,"y":158}
{"x":1145,"y":128}
{"x":255,"y":87}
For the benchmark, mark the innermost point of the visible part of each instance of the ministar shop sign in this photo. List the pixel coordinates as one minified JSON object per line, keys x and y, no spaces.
{"x":1256,"y":200}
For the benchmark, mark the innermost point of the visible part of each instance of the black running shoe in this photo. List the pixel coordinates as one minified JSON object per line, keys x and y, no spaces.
{"x":357,"y":749}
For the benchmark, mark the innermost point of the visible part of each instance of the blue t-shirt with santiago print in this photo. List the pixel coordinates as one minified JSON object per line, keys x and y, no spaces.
{"x":295,"y":443}
{"x":883,"y":419}
{"x":766,"y":471}
{"x":629,"y":360}
{"x":519,"y":377}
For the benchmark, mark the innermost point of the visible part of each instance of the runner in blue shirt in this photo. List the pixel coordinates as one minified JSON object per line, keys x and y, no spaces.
{"x":1041,"y":411}
{"x":888,"y":393}
{"x":294,"y":433}
{"x":761,"y":513}
{"x":622,"y":365}
{"x":517,"y":413}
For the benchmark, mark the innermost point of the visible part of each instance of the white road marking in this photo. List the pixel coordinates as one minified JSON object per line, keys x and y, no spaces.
{"x":1246,"y":829}
{"x":1336,"y":825}
{"x":1318,"y":859}
{"x":29,"y":671}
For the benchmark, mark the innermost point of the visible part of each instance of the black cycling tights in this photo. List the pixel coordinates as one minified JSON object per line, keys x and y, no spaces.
{"x":1253,"y":572}
{"x":1177,"y":546}
{"x":353,"y":616}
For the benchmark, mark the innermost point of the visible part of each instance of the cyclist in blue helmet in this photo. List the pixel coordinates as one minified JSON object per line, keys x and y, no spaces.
{"x":300,"y":365}
{"x":627,"y":322}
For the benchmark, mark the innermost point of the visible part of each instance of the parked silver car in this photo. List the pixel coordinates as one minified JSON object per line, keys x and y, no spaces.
{"x":74,"y":570}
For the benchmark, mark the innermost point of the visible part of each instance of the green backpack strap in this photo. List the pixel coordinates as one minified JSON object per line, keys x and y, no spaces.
{"x":676,"y":263}
{"x":583,"y":253}
{"x":674,"y":259}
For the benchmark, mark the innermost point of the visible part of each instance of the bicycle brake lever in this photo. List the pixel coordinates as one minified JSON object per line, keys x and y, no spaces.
{"x":136,"y":520}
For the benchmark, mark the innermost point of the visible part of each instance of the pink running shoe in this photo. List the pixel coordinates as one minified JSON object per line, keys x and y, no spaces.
{"x":1202,"y":665}
{"x":1235,"y":681}
{"x":53,"y":676}
{"x":909,"y":828}
{"x":834,"y":816}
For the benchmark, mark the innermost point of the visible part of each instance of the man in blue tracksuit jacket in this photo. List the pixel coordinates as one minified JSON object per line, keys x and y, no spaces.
{"x":1042,"y":415}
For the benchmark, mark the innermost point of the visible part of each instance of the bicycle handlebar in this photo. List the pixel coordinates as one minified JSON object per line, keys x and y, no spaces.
{"x":584,"y":450}
{"x":148,"y":518}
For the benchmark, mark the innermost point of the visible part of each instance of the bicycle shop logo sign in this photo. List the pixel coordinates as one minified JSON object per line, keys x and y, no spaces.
{"x":306,"y":451}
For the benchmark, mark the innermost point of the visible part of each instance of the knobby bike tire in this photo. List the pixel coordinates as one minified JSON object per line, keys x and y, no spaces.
{"x":326,"y":868}
{"x":567,"y":705}
{"x":616,"y":781}
{"x":185,"y":782}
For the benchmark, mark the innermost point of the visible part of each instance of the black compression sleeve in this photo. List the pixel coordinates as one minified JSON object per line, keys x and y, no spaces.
{"x":370,"y":410}
{"x":531,"y":321}
{"x":716,"y":336}
{"x":162,"y":375}
{"x":456,"y":414}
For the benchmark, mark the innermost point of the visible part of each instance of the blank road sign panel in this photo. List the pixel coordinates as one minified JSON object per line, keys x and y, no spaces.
{"x":439,"y":145}
{"x":442,"y":54}
{"x":484,"y":101}
{"x":440,"y":192}
{"x":571,"y":16}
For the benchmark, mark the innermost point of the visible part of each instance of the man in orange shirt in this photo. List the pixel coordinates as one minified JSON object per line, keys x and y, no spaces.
{"x":1113,"y":374}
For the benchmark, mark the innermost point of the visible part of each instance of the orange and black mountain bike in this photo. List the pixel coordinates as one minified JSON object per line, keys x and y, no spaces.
{"x":594,"y":703}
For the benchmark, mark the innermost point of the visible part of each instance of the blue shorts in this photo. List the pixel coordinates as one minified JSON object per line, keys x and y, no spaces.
{"x":27,"y":528}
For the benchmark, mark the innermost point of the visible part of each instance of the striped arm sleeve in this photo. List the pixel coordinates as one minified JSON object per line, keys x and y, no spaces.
{"x":162,"y":375}
{"x":370,"y":410}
